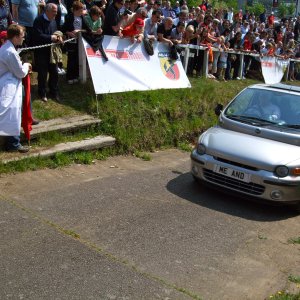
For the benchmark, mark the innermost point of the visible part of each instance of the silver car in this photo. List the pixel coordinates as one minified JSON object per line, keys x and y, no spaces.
{"x":254,"y":151}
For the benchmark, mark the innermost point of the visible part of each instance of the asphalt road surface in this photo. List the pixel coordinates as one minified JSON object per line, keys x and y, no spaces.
{"x":131,"y":229}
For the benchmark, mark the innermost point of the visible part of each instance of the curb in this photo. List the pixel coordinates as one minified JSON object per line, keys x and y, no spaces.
{"x":87,"y":144}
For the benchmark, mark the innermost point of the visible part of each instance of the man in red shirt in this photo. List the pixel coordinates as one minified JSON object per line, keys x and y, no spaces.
{"x":271,"y":19}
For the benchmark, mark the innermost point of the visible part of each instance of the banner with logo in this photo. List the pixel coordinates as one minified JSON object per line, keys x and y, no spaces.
{"x":273,"y":68}
{"x":130,"y":68}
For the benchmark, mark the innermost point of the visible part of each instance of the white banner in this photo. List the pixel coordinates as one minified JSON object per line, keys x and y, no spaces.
{"x":130,"y":68}
{"x":273,"y":68}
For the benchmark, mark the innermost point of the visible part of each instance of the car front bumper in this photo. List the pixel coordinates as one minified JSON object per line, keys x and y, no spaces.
{"x":262,"y":185}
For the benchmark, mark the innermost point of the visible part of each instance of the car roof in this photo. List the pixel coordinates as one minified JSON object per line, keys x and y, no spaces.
{"x":278,"y":86}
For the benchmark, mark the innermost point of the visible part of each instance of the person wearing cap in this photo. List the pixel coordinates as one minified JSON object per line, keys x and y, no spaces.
{"x":141,"y":13}
{"x":3,"y":37}
{"x":157,"y":5}
{"x":271,"y":19}
{"x":134,"y":30}
{"x":215,"y":27}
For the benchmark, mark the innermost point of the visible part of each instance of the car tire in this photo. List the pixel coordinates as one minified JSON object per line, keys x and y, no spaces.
{"x":297,"y":208}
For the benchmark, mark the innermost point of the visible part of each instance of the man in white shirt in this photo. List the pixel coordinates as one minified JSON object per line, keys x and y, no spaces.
{"x":150,"y":29}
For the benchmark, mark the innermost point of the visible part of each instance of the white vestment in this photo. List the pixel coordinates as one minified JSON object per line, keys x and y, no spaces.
{"x":11,"y":73}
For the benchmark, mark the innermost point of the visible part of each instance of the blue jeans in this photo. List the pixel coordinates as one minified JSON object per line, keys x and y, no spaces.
{"x":12,"y":142}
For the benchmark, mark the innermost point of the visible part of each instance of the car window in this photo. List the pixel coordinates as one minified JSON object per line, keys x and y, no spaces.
{"x":241,"y":102}
{"x":266,"y":105}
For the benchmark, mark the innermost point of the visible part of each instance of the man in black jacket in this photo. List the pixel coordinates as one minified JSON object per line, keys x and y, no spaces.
{"x":113,"y":18}
{"x":44,"y":27}
{"x":74,"y":23}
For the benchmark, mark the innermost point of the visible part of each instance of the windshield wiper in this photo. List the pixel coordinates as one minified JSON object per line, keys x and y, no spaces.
{"x":296,"y":126}
{"x":248,"y":119}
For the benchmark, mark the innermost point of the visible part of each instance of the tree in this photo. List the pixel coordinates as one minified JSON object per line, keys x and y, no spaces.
{"x":292,"y":9}
{"x":282,"y":10}
{"x":257,"y":9}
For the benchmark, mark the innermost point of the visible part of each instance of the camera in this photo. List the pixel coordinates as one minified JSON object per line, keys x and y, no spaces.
{"x":127,"y":12}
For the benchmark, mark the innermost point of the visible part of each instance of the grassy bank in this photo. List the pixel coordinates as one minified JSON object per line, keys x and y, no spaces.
{"x":140,"y":121}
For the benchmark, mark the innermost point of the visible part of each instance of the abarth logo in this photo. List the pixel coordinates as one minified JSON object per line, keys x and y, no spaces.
{"x":169,"y":67}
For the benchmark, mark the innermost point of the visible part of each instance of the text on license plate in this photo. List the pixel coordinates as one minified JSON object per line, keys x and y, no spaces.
{"x":232,"y":173}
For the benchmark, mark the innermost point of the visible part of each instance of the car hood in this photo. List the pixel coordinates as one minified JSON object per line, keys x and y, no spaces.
{"x":247,"y":149}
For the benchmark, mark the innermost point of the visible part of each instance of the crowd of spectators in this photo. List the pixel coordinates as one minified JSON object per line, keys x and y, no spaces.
{"x":224,"y":33}
{"x":221,"y":29}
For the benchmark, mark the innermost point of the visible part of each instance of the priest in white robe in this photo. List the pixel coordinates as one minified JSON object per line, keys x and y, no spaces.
{"x":12,"y":70}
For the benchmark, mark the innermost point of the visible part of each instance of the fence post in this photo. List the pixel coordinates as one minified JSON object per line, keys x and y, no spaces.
{"x":82,"y":59}
{"x":186,"y":58}
{"x":205,"y":63}
{"x":287,"y":71}
{"x":241,"y":68}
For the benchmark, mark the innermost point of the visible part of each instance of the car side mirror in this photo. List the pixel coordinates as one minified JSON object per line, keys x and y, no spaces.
{"x":218,"y":109}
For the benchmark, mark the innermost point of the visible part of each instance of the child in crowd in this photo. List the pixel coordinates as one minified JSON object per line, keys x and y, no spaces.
{"x":74,"y":23}
{"x":94,"y":21}
{"x":218,"y":45}
{"x":134,"y":30}
{"x":222,"y":64}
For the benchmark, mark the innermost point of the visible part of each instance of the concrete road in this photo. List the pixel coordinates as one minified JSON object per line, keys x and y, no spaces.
{"x":130,"y":229}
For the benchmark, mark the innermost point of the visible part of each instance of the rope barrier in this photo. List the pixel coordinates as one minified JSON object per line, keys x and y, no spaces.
{"x":43,"y":46}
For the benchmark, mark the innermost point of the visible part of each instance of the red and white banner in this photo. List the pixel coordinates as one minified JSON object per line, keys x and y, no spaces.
{"x":273,"y":68}
{"x":130,"y":68}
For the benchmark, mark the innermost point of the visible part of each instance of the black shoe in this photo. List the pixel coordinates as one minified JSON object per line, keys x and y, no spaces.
{"x":21,"y":149}
{"x":148,"y":46}
{"x":35,"y":122}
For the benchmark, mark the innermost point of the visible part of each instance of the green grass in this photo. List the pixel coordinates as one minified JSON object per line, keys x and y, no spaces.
{"x":295,"y":279}
{"x":294,"y":240}
{"x":142,"y":155}
{"x":284,"y":296}
{"x":141,"y":121}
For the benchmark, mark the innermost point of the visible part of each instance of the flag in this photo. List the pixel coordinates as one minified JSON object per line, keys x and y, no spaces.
{"x":26,"y":111}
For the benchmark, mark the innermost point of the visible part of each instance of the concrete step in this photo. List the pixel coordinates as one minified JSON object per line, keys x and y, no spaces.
{"x":87,"y":144}
{"x":59,"y":124}
{"x":64,"y":124}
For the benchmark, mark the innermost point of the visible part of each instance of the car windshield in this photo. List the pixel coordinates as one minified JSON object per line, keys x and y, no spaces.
{"x":263,"y":107}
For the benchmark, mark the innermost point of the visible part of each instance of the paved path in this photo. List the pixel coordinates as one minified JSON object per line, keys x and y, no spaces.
{"x":129,"y":229}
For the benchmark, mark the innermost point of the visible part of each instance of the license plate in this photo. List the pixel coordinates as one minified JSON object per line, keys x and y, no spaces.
{"x":238,"y":175}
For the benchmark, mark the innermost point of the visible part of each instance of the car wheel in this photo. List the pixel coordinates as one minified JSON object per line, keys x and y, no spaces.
{"x":297,"y":207}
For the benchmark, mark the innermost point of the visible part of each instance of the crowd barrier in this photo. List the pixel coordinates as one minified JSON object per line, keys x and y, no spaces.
{"x":185,"y":53}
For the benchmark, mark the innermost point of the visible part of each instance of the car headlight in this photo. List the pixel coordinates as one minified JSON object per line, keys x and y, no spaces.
{"x":201,"y":149}
{"x":282,"y":171}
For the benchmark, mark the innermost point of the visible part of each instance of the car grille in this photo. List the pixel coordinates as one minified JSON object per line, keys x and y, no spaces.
{"x":235,"y":163}
{"x":250,"y":188}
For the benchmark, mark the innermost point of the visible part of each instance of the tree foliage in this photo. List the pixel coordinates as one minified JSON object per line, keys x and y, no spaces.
{"x":257,"y":9}
{"x":282,"y":10}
